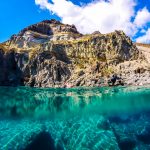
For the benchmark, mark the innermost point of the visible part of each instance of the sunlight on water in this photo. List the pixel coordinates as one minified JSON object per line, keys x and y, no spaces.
{"x":79,"y":118}
{"x":24,"y":101}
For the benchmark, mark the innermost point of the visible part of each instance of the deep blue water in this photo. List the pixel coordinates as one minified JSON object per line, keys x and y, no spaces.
{"x":75,"y":119}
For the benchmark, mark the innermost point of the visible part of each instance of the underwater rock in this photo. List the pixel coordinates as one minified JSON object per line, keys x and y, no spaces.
{"x":144,"y":136}
{"x":58,"y":134}
{"x":119,"y":119}
{"x":42,"y":141}
{"x":133,"y":134}
{"x":103,"y":124}
{"x":127,"y":144}
{"x":74,"y":119}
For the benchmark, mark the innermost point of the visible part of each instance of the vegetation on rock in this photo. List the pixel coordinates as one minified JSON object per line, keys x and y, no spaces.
{"x":49,"y":53}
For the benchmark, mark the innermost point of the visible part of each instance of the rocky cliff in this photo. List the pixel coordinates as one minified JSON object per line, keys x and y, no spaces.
{"x":49,"y":53}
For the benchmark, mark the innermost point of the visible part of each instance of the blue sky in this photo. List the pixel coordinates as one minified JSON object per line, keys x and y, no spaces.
{"x":18,"y":14}
{"x":87,"y":15}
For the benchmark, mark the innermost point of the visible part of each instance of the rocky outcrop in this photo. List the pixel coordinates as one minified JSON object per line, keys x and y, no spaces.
{"x":48,"y":30}
{"x":10,"y":73}
{"x":50,"y":27}
{"x":50,"y":53}
{"x":46,"y":71}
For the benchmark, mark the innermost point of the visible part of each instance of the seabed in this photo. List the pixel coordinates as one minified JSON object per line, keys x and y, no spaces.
{"x":108,"y":118}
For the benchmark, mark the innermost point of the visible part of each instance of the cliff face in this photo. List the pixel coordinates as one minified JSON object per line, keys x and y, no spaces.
{"x":48,"y":30}
{"x":50,"y":53}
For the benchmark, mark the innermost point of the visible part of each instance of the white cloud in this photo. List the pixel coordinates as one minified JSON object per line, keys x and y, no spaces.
{"x":145,"y":38}
{"x":42,"y":3}
{"x":97,"y":15}
{"x":143,"y":31}
{"x":100,"y":15}
{"x":142,"y":17}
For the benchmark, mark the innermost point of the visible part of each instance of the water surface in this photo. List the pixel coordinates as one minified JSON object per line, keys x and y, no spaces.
{"x":75,"y":119}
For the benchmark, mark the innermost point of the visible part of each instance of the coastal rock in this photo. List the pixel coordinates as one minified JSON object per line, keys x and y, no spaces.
{"x":10,"y":72}
{"x":49,"y":54}
{"x":45,"y":31}
{"x":46,"y":72}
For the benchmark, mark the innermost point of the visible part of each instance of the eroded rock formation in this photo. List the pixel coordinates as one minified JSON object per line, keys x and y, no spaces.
{"x":49,"y":53}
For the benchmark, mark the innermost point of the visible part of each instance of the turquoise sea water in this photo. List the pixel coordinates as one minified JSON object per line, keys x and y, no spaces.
{"x":75,"y":119}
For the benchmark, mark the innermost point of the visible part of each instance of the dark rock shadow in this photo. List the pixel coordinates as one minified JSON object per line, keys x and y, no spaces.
{"x":144,"y":136}
{"x":126,"y":143}
{"x":10,"y":71}
{"x":42,"y":141}
{"x":119,"y":120}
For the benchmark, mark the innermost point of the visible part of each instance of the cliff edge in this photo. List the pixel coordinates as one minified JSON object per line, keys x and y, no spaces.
{"x":50,"y":54}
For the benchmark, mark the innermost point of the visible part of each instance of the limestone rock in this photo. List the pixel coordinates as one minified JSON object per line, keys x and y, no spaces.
{"x":49,"y":53}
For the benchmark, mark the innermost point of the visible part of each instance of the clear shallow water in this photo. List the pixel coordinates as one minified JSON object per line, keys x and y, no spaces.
{"x":75,"y":119}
